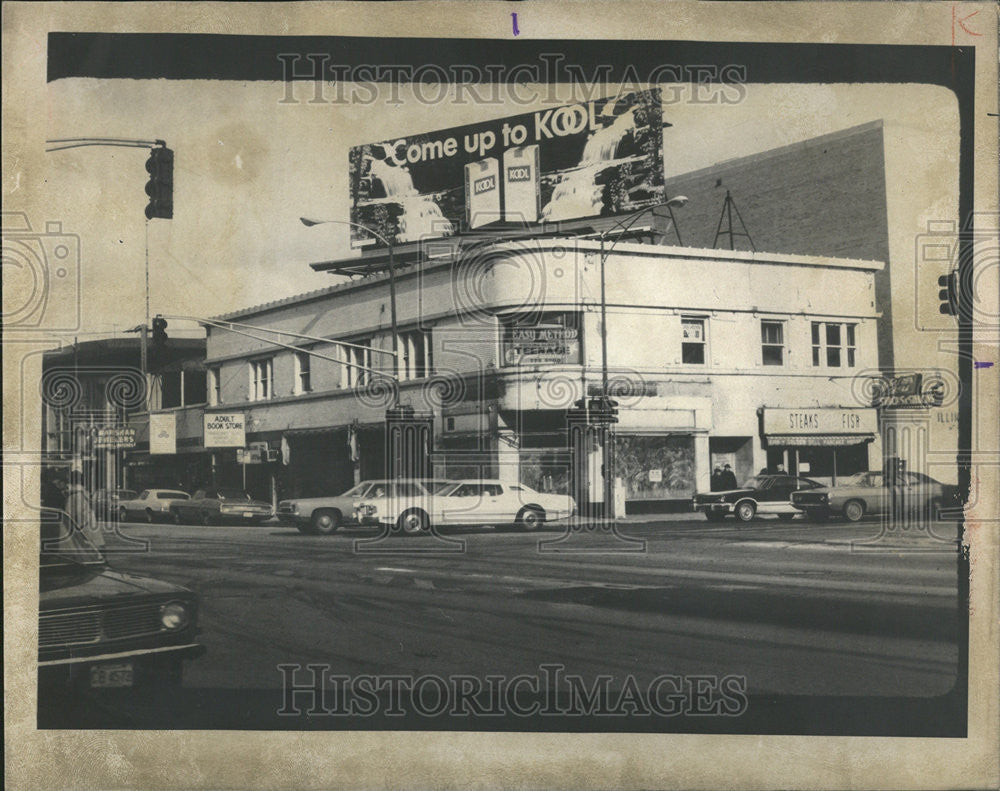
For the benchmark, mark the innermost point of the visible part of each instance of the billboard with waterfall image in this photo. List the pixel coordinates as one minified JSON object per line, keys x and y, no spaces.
{"x":597,"y":158}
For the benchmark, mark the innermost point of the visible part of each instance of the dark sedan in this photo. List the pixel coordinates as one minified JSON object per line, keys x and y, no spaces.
{"x":762,"y":494}
{"x":215,"y":506}
{"x":99,"y":628}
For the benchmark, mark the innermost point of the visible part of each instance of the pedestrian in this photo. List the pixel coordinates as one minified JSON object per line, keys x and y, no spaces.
{"x":716,"y":482}
{"x":80,"y":513}
{"x":728,"y":480}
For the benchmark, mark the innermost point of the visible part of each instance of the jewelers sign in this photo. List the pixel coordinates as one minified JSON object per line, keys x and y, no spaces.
{"x":225,"y":430}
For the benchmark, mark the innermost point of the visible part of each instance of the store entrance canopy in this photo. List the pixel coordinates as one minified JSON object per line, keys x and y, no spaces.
{"x":814,"y":440}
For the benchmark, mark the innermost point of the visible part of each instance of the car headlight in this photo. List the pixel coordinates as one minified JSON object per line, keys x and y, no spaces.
{"x":174,"y":615}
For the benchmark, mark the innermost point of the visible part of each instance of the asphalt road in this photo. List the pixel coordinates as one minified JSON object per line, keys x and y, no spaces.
{"x":797,"y":609}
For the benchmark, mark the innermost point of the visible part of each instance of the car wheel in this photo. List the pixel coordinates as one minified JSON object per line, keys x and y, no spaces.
{"x":714,"y":516}
{"x":530,"y":518}
{"x":746,"y":511}
{"x":149,"y":516}
{"x":325,"y":521}
{"x":413,"y":522}
{"x":786,"y":517}
{"x":205,"y":519}
{"x":854,"y":510}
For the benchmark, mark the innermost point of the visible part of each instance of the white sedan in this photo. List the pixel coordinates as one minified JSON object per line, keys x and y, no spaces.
{"x":469,"y":502}
{"x":152,"y":505}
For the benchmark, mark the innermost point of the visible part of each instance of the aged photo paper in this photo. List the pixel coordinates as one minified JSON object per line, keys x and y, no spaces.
{"x":500,"y":395}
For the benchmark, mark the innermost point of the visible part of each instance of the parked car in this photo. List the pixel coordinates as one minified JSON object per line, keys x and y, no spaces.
{"x":762,"y":494}
{"x":152,"y":505}
{"x":867,"y":493}
{"x":106,"y":501}
{"x":99,"y":628}
{"x":467,"y":502}
{"x":215,"y":506}
{"x":325,"y":515}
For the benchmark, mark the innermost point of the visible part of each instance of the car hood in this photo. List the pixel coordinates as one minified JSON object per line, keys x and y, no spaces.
{"x":69,"y":585}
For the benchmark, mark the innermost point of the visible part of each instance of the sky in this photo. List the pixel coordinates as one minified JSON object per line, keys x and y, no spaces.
{"x":249,"y":164}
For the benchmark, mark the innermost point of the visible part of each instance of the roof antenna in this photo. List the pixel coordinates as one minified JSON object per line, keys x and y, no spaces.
{"x":728,"y":207}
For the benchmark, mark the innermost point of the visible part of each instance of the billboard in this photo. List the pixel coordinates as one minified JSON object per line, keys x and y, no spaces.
{"x":598,"y":158}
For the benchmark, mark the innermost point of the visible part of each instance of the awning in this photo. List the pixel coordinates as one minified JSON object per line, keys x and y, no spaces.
{"x":821,"y":440}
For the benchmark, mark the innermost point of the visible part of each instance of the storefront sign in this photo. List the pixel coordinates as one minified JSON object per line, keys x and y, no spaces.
{"x":225,"y":430}
{"x":113,"y":437}
{"x":543,"y":344}
{"x":598,"y":158}
{"x":162,"y":433}
{"x":907,"y":391}
{"x":808,"y":421}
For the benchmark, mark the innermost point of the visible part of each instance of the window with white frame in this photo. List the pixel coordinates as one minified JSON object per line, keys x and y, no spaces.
{"x":772,"y":342}
{"x":693,"y":340}
{"x":413,"y":355}
{"x":303,"y":373}
{"x":357,"y":358}
{"x":261,"y":379}
{"x":214,"y":386}
{"x":834,"y":344}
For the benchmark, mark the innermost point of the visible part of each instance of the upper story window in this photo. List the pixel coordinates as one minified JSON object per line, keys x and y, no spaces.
{"x":834,"y":344}
{"x":693,"y":340}
{"x":414,"y":355}
{"x":262,"y":379}
{"x":303,"y":375}
{"x":214,"y":386}
{"x":358,"y":359}
{"x":772,"y":342}
{"x":551,"y":338}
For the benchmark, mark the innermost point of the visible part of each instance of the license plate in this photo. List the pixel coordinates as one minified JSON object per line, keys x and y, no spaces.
{"x":111,"y":675}
{"x":248,"y":513}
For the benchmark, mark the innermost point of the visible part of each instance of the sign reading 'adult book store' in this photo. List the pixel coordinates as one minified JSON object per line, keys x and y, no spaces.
{"x":598,"y":158}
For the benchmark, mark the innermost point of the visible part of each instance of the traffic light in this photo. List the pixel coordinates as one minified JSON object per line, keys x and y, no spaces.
{"x":948,"y":294}
{"x":159,"y":333}
{"x":160,"y":187}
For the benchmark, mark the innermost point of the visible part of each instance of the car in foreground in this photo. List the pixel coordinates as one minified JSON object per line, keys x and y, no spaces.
{"x":867,"y":493}
{"x":218,"y":506}
{"x":99,"y":628}
{"x":152,"y":505}
{"x":105,"y":502}
{"x":325,"y":515}
{"x":467,"y":502}
{"x":761,"y":494}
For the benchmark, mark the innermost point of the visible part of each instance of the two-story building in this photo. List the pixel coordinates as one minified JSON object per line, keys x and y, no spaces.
{"x":714,"y":356}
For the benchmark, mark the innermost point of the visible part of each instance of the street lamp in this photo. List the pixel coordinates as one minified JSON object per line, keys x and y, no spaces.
{"x":605,"y":406}
{"x":392,"y":285}
{"x":625,"y":223}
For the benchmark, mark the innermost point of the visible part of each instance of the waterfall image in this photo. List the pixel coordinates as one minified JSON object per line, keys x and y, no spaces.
{"x":420,"y":216}
{"x":578,"y":194}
